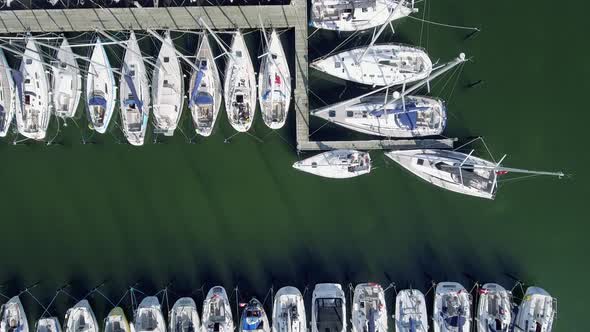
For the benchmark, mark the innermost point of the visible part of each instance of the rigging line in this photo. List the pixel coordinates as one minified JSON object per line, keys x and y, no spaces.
{"x":69,"y":295}
{"x":455,"y":84}
{"x":36,"y":300}
{"x":318,"y":97}
{"x":487,"y":149}
{"x":449,"y":79}
{"x":109,"y":300}
{"x":313,"y":33}
{"x":50,"y":303}
{"x":519,"y":178}
{"x":266,"y":296}
{"x":322,"y":126}
{"x":471,"y":141}
{"x":443,"y":24}
{"x":339,"y":45}
{"x":122,"y":297}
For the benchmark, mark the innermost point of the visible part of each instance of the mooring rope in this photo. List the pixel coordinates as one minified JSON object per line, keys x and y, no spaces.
{"x":444,"y":24}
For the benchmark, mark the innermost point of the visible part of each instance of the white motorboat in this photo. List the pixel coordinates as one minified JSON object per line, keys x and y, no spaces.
{"x":32,"y":118}
{"x":494,"y":309}
{"x":116,"y":321}
{"x":184,"y":316}
{"x":8,"y":102}
{"x":347,"y":15}
{"x":167,"y":89}
{"x":254,"y":318}
{"x":80,"y":318}
{"x":50,"y":324}
{"x":240,"y":85}
{"x":336,"y":164}
{"x":369,"y":309}
{"x":101,"y":91}
{"x":536,"y":312}
{"x":379,"y":65}
{"x":66,"y":82}
{"x":134,"y":93}
{"x":328,"y":308}
{"x":410,"y":311}
{"x":148,"y":317}
{"x":13,"y":317}
{"x":205,"y":90}
{"x":217,"y":316}
{"x":452,"y":308}
{"x":274,"y":84}
{"x":288,"y":311}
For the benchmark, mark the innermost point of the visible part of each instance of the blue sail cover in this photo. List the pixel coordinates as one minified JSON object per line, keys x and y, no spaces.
{"x":134,"y":98}
{"x":405,"y":118}
{"x":97,"y":101}
{"x":251,"y":323}
{"x":412,"y":325}
{"x":195,"y":92}
{"x":203,"y":98}
{"x":455,"y":321}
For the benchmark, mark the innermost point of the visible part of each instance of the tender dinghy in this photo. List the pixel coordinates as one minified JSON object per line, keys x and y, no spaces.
{"x":254,"y":318}
{"x":452,"y":308}
{"x":412,"y":116}
{"x":336,"y":164}
{"x":13,"y":317}
{"x":355,"y":15}
{"x":167,"y":89}
{"x":116,"y":321}
{"x":148,"y":316}
{"x":410,"y":311}
{"x":328,"y":308}
{"x":101,"y":91}
{"x":134,"y":93}
{"x":369,"y":310}
{"x":288,"y":312}
{"x":184,"y":316}
{"x":274,"y":84}
{"x":80,"y":318}
{"x":536,"y":312}
{"x":205,"y":90}
{"x":380,"y":65}
{"x":240,"y":86}
{"x":494,"y":309}
{"x":8,"y":102}
{"x":50,"y":324}
{"x":217,"y":315}
{"x":66,"y":82}
{"x":32,"y":118}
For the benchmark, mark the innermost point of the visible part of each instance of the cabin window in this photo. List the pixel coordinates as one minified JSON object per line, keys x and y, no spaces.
{"x":239,"y":54}
{"x":314,"y":165}
{"x":166,"y":59}
{"x":64,"y":65}
{"x":274,"y":56}
{"x":28,"y":61}
{"x":364,"y":114}
{"x":420,"y":162}
{"x":38,"y":87}
{"x":165,"y":82}
{"x":331,"y":114}
{"x":27,"y":81}
{"x":27,"y":100}
{"x":371,"y":75}
{"x":349,"y":114}
{"x":364,"y":10}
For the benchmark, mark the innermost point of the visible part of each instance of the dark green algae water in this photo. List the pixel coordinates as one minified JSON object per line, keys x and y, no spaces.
{"x":238,"y":214}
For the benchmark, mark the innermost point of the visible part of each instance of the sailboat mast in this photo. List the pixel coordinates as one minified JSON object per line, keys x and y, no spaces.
{"x":182,"y":56}
{"x":215,"y":37}
{"x":124,"y":45}
{"x":376,"y":36}
{"x":526,"y":171}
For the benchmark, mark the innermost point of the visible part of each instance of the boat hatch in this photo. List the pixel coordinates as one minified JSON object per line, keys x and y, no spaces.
{"x":420,"y":162}
{"x":27,"y":100}
{"x":240,"y":99}
{"x":63,"y":65}
{"x":203,"y":64}
{"x":29,"y":61}
{"x":274,"y":56}
{"x":349,"y":114}
{"x":332,"y":113}
{"x":337,"y":64}
{"x":314,"y":165}
{"x":239,"y":54}
{"x":166,"y":59}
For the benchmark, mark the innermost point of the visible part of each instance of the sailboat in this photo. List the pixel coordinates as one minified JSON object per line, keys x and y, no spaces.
{"x":116,"y":321}
{"x":205,"y":90}
{"x":494,"y":309}
{"x":167,"y":88}
{"x":452,"y":308}
{"x":288,"y":311}
{"x":80,"y":318}
{"x":240,"y":86}
{"x":336,"y":164}
{"x":369,"y":309}
{"x":13,"y":317}
{"x":184,"y":316}
{"x":410,"y":311}
{"x":66,"y":82}
{"x":274,"y":84}
{"x":134,"y":93}
{"x":50,"y":324}
{"x":101,"y":91}
{"x":537,"y":311}
{"x":32,"y":118}
{"x":148,"y":316}
{"x":8,"y":102}
{"x":254,"y":318}
{"x":377,"y":65}
{"x":457,"y":171}
{"x":328,"y":308}
{"x":217,"y":316}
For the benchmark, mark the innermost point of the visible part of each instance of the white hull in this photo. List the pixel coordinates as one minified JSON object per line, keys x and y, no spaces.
{"x":288,"y":311}
{"x":274,"y":84}
{"x":381,"y":65}
{"x":13,"y":317}
{"x":148,"y":317}
{"x":240,"y":86}
{"x":81,"y":318}
{"x":217,"y":316}
{"x":342,"y":15}
{"x":101,"y":91}
{"x":369,"y":309}
{"x":116,"y":321}
{"x":410,"y":311}
{"x":494,"y":312}
{"x":50,"y":324}
{"x":66,"y":82}
{"x":184,"y":316}
{"x":8,"y":102}
{"x":328,"y":300}
{"x":452,"y":308}
{"x":336,"y":164}
{"x":537,"y":311}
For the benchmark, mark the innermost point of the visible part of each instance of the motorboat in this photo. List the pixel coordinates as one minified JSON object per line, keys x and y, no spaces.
{"x":101,"y":91}
{"x":148,"y":317}
{"x":536,"y":312}
{"x":80,"y":318}
{"x":13,"y":317}
{"x":336,"y":164}
{"x":288,"y":311}
{"x":217,"y":316}
{"x":328,"y":308}
{"x":254,"y":318}
{"x":8,"y":102}
{"x":184,"y":316}
{"x":66,"y":82}
{"x":116,"y":321}
{"x":369,"y":309}
{"x":49,"y":324}
{"x":452,"y":308}
{"x":494,"y":309}
{"x":410,"y":311}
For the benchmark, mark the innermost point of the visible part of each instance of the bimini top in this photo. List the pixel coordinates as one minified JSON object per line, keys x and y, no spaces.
{"x":203,"y":98}
{"x":97,"y":101}
{"x":254,"y":318}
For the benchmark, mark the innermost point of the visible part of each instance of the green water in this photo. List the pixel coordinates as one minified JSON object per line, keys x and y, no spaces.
{"x":238,"y":214}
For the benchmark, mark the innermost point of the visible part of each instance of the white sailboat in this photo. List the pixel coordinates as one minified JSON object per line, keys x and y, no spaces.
{"x":50,"y":324}
{"x":452,"y":308}
{"x":80,"y":318}
{"x":377,"y":65}
{"x":254,"y":318}
{"x":494,"y":309}
{"x":240,"y":85}
{"x":328,"y":308}
{"x":274,"y":84}
{"x":288,"y":311}
{"x":8,"y":102}
{"x":167,"y":88}
{"x":410,"y":311}
{"x":217,"y":316}
{"x":101,"y":91}
{"x":66,"y":82}
{"x":184,"y":316}
{"x":336,"y":164}
{"x":205,"y":90}
{"x":355,"y":15}
{"x":116,"y":321}
{"x":13,"y":317}
{"x":369,"y":309}
{"x":148,"y":317}
{"x":134,"y":93}
{"x":537,"y":311}
{"x":32,"y":118}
